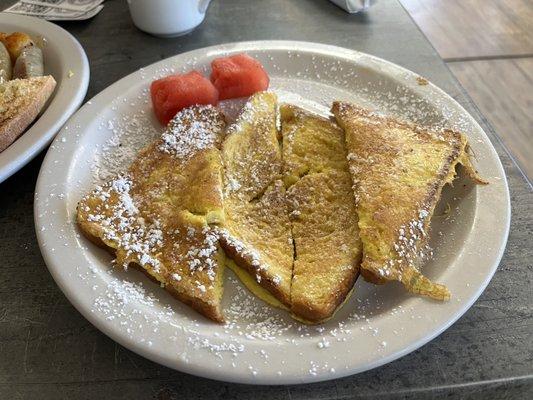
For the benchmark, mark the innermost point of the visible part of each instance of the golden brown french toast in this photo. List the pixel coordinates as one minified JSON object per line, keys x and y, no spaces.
{"x":322,"y":210}
{"x":257,"y":234}
{"x":157,"y":215}
{"x":398,"y":170}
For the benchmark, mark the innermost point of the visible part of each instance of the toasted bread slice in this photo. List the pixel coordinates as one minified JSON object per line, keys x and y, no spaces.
{"x":21,"y":101}
{"x":257,"y":233}
{"x":158,"y":214}
{"x":322,"y":209}
{"x":398,"y":170}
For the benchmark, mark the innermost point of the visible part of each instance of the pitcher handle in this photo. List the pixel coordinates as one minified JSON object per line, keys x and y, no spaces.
{"x":202,"y":5}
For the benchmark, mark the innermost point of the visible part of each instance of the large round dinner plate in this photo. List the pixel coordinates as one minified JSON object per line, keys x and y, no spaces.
{"x":259,"y":344}
{"x":65,"y":60}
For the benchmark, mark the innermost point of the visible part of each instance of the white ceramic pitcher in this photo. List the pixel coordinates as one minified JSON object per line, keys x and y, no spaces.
{"x":167,"y":18}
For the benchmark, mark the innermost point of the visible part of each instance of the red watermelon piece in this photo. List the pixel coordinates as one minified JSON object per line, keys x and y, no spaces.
{"x":238,"y":76}
{"x":175,"y":92}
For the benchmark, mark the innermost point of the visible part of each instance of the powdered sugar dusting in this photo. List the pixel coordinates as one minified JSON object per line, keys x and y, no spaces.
{"x":130,"y":132}
{"x":191,"y":130}
{"x":123,"y":225}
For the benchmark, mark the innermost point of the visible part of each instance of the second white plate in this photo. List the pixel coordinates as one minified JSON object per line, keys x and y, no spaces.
{"x":66,"y":61}
{"x":260,"y":344}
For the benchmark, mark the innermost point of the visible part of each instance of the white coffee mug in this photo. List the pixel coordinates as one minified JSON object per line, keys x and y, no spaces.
{"x":167,"y":18}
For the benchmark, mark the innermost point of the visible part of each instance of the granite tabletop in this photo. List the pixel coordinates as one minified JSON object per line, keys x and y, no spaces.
{"x":49,"y":351}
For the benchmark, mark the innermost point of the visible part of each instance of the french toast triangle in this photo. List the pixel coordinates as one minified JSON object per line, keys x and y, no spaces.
{"x":157,"y":214}
{"x":398,"y":171}
{"x":322,"y":210}
{"x":257,"y":230}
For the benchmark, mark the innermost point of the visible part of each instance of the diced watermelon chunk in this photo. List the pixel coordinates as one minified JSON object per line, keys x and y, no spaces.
{"x":238,"y":76}
{"x":175,"y":92}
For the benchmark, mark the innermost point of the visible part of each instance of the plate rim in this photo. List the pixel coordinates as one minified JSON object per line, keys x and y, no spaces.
{"x":65,"y":100}
{"x":213,"y":373}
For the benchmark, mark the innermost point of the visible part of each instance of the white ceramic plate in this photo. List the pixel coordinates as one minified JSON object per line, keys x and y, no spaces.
{"x":62,"y":55}
{"x":260,"y":344}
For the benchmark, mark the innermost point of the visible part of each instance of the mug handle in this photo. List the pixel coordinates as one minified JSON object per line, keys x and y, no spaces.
{"x":202,"y":5}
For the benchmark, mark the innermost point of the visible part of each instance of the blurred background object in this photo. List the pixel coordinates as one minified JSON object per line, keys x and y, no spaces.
{"x":354,"y":6}
{"x":167,"y":18}
{"x":57,"y":10}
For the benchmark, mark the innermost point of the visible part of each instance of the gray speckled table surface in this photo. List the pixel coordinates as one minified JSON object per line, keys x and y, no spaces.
{"x":49,"y":351}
